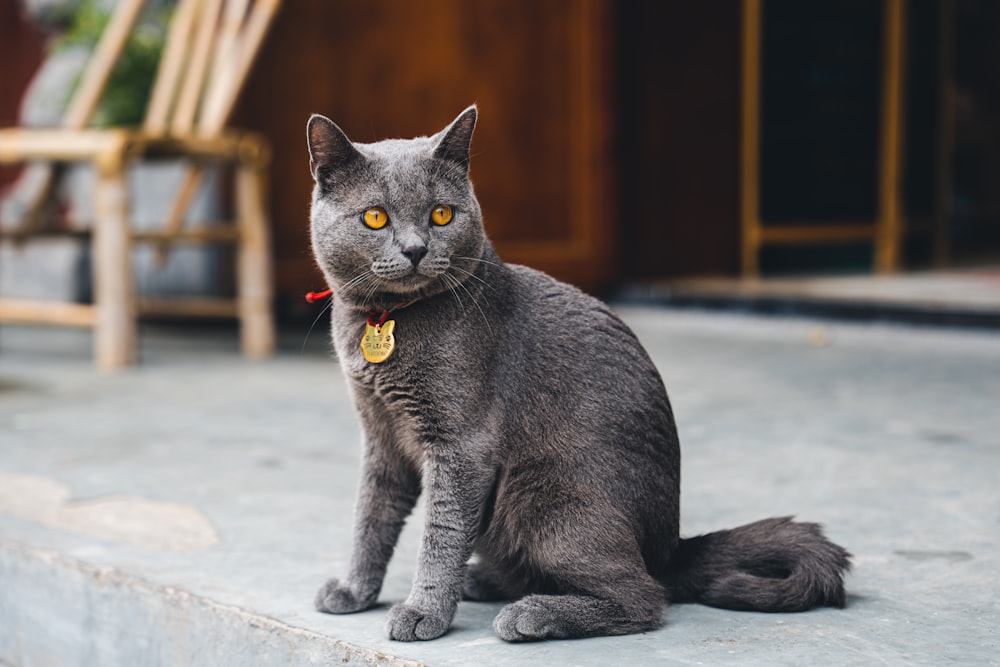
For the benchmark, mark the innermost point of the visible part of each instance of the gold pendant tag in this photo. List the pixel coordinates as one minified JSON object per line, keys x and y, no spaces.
{"x":378,"y":342}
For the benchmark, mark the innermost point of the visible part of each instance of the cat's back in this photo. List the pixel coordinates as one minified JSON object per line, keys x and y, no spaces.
{"x":570,"y":322}
{"x":567,"y":346}
{"x":587,"y":415}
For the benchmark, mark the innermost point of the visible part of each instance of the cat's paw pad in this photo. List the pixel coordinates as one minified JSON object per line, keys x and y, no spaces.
{"x":336,"y":597}
{"x":525,"y":621}
{"x":407,"y":623}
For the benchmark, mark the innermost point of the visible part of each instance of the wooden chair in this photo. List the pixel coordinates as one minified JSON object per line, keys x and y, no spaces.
{"x":209,"y":50}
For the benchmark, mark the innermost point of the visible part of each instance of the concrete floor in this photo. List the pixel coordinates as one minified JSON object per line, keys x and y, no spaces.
{"x":184,"y":513}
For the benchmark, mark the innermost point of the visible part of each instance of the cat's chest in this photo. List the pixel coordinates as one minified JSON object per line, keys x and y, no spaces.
{"x":397,"y":404}
{"x":373,"y":356}
{"x":394,"y":381}
{"x":432,"y":377}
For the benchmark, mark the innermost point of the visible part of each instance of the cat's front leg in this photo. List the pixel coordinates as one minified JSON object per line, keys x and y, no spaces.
{"x":456,"y":492}
{"x":388,"y":490}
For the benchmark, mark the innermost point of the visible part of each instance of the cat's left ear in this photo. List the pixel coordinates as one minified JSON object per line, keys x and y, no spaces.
{"x":457,"y":138}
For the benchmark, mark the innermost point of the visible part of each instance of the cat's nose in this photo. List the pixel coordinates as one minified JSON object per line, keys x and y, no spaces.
{"x":415,"y":253}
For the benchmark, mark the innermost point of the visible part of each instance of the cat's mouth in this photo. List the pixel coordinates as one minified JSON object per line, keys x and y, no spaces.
{"x":405,"y":283}
{"x":412,"y":281}
{"x":411,"y":278}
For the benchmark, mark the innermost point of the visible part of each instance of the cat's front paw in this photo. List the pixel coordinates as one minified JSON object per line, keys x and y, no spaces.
{"x":408,"y":623}
{"x":336,"y":597}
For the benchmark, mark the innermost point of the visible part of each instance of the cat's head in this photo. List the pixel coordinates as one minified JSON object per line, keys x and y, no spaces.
{"x":396,"y":218}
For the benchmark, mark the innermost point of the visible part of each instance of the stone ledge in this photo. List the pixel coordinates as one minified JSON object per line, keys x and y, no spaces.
{"x":57,"y":610}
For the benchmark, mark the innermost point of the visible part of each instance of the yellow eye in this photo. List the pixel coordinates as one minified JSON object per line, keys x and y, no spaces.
{"x":375,"y":218}
{"x":441,"y":215}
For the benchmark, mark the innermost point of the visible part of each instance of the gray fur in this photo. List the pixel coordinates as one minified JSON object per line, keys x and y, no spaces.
{"x":529,"y":414}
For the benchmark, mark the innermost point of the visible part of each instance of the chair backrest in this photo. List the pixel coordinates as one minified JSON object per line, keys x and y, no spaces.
{"x":95,"y":77}
{"x":209,"y":50}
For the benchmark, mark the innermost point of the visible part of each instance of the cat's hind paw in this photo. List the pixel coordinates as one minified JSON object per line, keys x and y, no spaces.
{"x":524,"y":621}
{"x":336,"y":597}
{"x":537,"y":617}
{"x":407,"y":623}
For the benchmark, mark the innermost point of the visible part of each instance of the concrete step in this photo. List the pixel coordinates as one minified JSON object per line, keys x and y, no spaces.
{"x":186,"y":512}
{"x":957,"y":298}
{"x":56,"y":610}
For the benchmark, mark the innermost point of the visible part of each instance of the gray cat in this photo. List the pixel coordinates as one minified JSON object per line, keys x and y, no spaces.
{"x":526,"y":410}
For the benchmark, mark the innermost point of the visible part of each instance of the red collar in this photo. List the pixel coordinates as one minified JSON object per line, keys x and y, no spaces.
{"x":313,"y":297}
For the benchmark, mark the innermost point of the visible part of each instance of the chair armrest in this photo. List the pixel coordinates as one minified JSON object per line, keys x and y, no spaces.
{"x":18,"y":144}
{"x":230,"y":145}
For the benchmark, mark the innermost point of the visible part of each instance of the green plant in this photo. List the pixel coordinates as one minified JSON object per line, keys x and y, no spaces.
{"x":127,"y":93}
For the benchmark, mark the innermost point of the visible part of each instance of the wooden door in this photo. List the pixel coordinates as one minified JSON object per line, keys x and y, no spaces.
{"x":539,"y":71}
{"x":679,"y":138}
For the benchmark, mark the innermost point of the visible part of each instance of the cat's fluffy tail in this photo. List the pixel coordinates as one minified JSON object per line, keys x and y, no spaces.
{"x":770,"y":565}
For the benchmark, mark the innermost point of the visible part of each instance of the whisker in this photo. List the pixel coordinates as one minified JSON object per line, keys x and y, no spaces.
{"x":461,"y":285}
{"x":326,"y":307}
{"x":472,"y":275}
{"x":477,"y":259}
{"x":358,"y":279}
{"x":370,"y":293}
{"x":451,"y":281}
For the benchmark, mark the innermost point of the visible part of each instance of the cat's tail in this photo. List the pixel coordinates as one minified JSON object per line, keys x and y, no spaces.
{"x":769,"y":565}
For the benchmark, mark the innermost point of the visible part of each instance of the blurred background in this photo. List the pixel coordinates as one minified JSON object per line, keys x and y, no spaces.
{"x":621,"y":142}
{"x":745,"y":154}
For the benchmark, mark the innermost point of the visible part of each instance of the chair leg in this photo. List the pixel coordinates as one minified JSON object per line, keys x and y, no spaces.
{"x":254,"y":280}
{"x":115,"y":329}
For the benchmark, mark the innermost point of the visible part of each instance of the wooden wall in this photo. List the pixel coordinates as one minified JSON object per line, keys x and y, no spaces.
{"x":540,"y":72}
{"x":21,"y":48}
{"x":679,"y":112}
{"x":608,"y":136}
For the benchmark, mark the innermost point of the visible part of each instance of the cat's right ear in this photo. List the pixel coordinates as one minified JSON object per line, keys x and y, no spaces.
{"x":329,"y":148}
{"x":455,"y":140}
